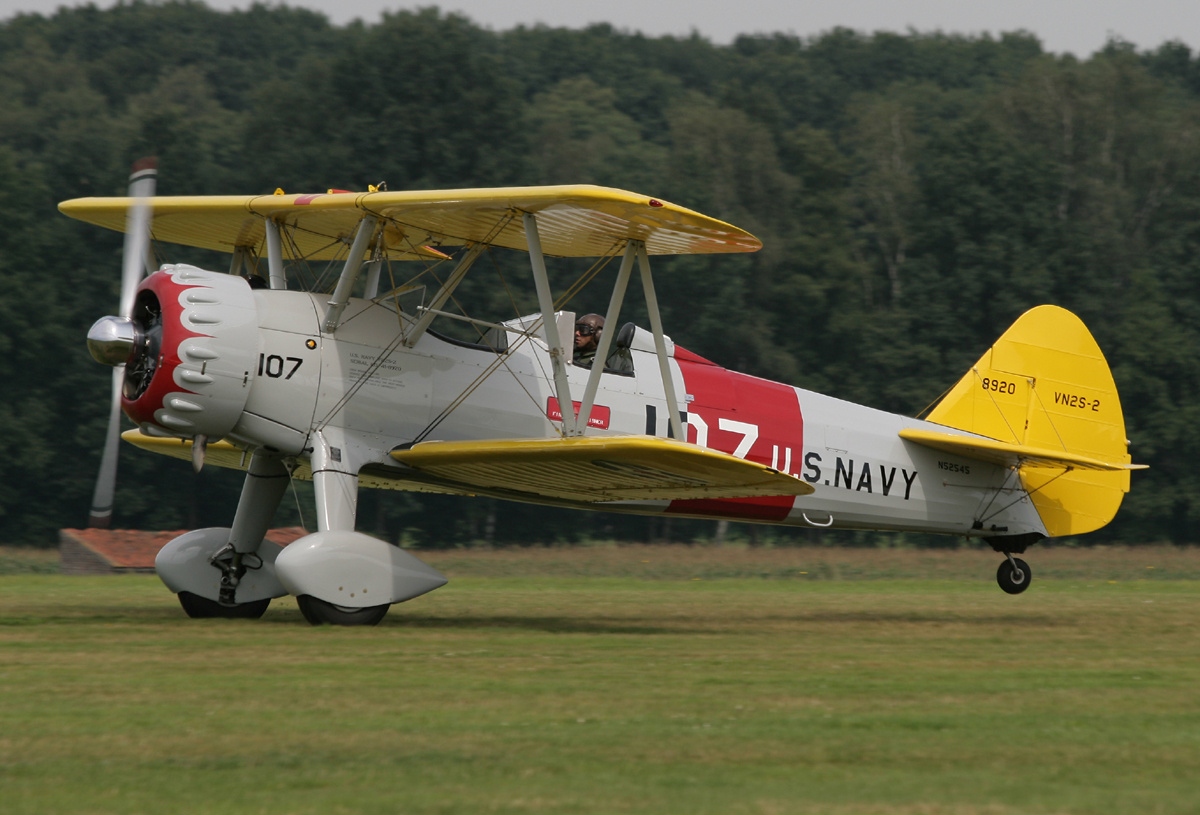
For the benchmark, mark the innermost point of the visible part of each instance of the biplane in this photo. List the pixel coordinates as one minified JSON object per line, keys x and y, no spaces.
{"x":349,"y":384}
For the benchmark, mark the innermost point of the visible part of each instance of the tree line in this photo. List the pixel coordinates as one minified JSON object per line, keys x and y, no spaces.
{"x":914,"y":193}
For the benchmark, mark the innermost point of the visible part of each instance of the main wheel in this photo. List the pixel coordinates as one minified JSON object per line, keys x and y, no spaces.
{"x":318,"y":612}
{"x":200,"y":608}
{"x":1014,"y":581}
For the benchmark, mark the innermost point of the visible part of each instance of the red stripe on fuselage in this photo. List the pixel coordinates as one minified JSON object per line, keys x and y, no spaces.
{"x":754,"y":418}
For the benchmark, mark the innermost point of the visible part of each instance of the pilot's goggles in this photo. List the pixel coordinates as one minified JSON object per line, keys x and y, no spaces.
{"x":585,"y":330}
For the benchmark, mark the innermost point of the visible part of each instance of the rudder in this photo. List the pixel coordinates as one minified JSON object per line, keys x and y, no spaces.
{"x":1045,"y":384}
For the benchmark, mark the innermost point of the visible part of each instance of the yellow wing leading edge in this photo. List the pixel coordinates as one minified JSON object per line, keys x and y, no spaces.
{"x":573,"y":221}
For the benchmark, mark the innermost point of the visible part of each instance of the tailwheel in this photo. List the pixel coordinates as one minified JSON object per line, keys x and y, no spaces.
{"x":1014,"y":575}
{"x":200,"y":608}
{"x":318,"y":612}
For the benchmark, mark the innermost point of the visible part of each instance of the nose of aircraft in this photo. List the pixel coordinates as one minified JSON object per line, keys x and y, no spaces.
{"x":111,"y":340}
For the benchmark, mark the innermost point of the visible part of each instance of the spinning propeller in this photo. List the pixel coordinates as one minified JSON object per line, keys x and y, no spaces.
{"x":129,"y":342}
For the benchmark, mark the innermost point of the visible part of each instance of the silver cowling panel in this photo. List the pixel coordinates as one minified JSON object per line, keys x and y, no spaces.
{"x":202,"y":376}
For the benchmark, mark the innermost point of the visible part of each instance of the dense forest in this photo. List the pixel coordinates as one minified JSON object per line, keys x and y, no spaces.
{"x":915,"y":193}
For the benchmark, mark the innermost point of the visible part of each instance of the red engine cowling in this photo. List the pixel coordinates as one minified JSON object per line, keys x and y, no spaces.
{"x":190,"y":371}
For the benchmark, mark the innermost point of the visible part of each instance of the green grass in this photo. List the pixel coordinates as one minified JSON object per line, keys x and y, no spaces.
{"x":598,"y":690}
{"x":28,"y":560}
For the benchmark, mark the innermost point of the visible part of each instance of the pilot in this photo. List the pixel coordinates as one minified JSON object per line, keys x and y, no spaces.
{"x":587,"y":338}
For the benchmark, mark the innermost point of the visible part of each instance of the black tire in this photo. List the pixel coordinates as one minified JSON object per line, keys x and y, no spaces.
{"x":318,"y":612}
{"x":201,"y":608}
{"x":1014,"y":581}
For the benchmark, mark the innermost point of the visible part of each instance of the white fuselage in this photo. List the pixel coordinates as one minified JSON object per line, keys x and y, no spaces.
{"x":364,"y":385}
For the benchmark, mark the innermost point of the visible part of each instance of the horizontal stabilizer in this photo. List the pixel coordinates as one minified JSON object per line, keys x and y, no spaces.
{"x":596,"y":469}
{"x":1009,"y":454}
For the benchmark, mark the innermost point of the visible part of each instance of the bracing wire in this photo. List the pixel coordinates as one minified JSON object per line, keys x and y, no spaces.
{"x":1029,"y":494}
{"x":396,"y":341}
{"x":582,"y":281}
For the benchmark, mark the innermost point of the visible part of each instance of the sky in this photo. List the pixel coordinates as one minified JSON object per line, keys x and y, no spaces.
{"x":1080,"y":27}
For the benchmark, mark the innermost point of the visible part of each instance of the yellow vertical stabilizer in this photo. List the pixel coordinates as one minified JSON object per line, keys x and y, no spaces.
{"x":1045,"y":384}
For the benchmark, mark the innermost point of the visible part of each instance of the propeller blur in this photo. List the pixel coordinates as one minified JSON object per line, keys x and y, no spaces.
{"x":111,"y":339}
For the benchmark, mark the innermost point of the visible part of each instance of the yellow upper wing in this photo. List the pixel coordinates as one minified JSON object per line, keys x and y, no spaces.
{"x":573,"y":221}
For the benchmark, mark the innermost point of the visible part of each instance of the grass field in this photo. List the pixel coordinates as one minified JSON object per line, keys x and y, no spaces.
{"x":623,"y":680}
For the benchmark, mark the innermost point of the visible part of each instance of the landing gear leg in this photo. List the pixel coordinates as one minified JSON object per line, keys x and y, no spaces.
{"x":339,"y":576}
{"x":1014,"y":574}
{"x":266,"y":482}
{"x":335,"y":485}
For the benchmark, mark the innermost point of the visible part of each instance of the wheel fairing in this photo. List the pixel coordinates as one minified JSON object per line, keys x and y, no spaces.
{"x":353,"y":570}
{"x":183,"y":565}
